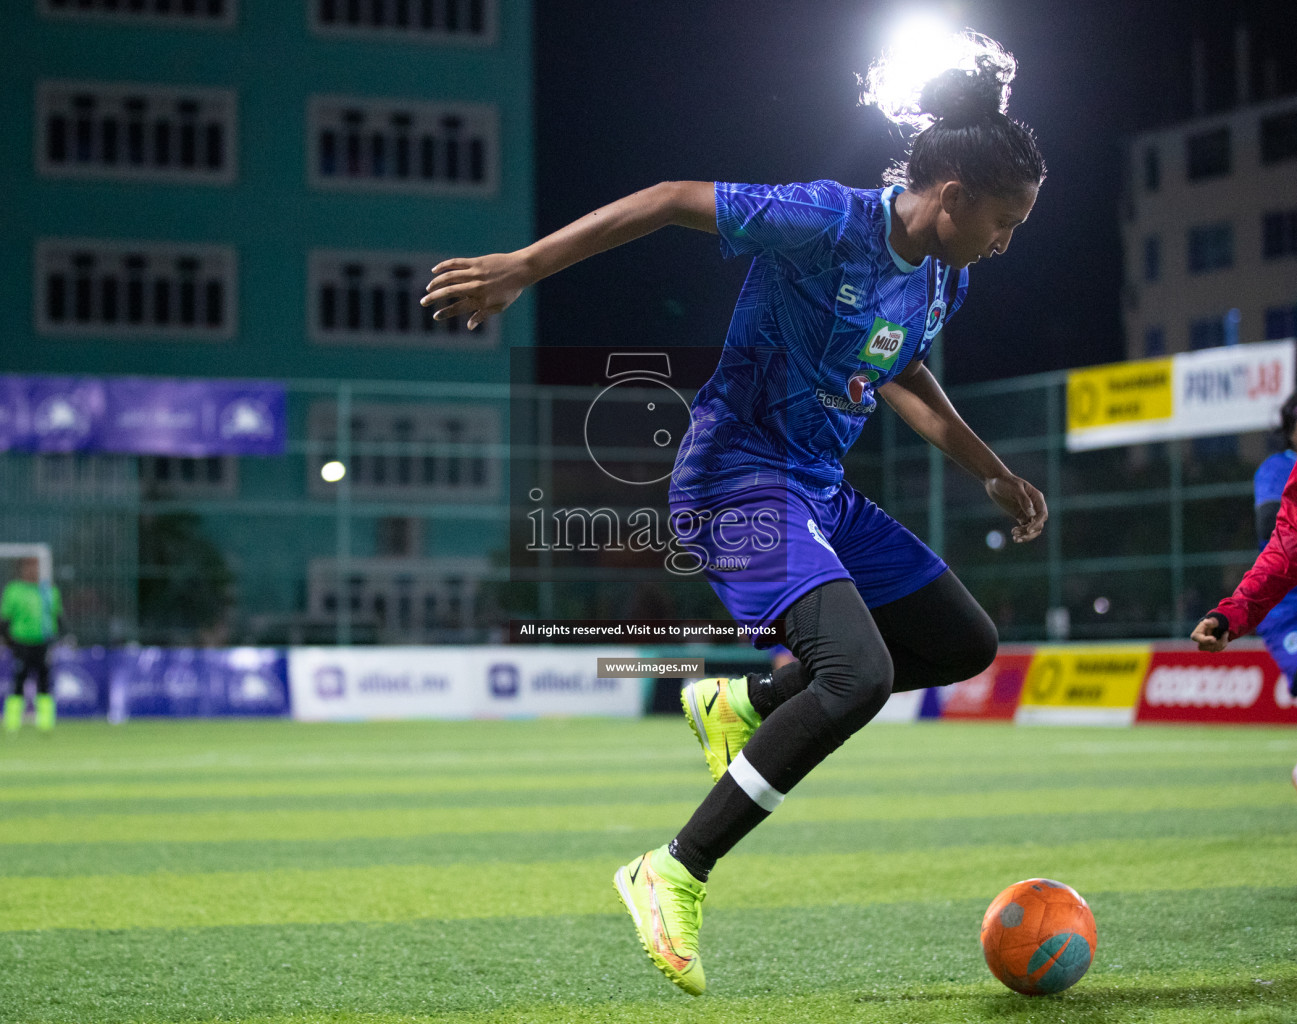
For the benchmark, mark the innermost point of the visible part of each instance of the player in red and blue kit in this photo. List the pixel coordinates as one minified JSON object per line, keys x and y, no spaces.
{"x":1266,"y":599}
{"x":846,"y":291}
{"x":1279,"y":628}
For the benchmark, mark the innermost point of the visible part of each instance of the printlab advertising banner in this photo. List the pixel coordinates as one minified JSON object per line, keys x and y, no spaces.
{"x":334,"y":683}
{"x":141,"y":415}
{"x":1228,"y":390}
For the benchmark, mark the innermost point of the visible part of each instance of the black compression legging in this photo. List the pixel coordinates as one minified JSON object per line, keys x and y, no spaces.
{"x":853,"y":657}
{"x":850,"y":660}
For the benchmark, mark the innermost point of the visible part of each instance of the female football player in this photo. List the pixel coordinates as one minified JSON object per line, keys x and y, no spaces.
{"x":846,"y":291}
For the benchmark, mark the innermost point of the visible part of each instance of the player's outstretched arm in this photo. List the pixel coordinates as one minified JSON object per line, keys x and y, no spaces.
{"x":1212,"y":633}
{"x":480,"y":287}
{"x":919,"y":400}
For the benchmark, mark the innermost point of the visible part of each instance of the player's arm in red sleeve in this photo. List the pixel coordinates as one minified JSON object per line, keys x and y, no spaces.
{"x":1263,"y":586}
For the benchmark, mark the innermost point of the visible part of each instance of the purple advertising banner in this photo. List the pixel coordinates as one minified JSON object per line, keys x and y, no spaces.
{"x":141,"y":416}
{"x":78,"y":679}
{"x":173,"y":682}
{"x":197,"y":683}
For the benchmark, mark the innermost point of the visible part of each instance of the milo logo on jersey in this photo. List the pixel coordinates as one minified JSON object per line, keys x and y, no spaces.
{"x":884,"y":344}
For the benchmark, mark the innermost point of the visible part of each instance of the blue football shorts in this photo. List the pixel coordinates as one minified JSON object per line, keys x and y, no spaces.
{"x":764,"y":547}
{"x":1281,"y":641}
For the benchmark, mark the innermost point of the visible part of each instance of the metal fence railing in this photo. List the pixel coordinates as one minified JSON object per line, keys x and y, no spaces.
{"x":414,"y":545}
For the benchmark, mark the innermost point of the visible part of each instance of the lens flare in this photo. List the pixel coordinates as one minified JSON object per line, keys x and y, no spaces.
{"x":921,"y":49}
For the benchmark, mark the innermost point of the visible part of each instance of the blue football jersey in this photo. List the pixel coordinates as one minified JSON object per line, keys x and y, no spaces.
{"x":828,"y":313}
{"x":1267,"y":486}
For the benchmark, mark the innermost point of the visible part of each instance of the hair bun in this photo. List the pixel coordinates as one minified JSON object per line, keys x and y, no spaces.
{"x":958,"y":97}
{"x":913,"y":92}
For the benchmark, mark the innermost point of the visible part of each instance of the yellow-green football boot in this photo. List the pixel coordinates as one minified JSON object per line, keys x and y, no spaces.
{"x":666,"y":903}
{"x":45,"y":711}
{"x":15,"y":705}
{"x":722,"y":718}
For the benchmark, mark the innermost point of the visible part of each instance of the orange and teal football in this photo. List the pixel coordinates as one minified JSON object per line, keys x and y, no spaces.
{"x":1038,"y":937}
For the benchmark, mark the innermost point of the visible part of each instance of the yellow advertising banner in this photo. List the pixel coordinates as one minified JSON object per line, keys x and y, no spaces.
{"x":1095,"y":685}
{"x":1228,"y":390}
{"x":1099,"y":396}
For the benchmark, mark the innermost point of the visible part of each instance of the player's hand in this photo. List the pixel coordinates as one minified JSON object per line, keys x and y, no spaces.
{"x":1204,"y":635}
{"x":1023,"y":502}
{"x":480,"y":287}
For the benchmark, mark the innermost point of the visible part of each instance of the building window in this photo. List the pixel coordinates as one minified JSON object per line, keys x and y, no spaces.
{"x":402,"y":600}
{"x":389,"y":145}
{"x":1152,"y":169}
{"x":1279,"y":137}
{"x":1155,"y":342}
{"x":135,"y":132}
{"x":220,"y":13}
{"x":97,"y":475}
{"x":1207,"y":333}
{"x":1279,"y":234}
{"x":135,"y":289}
{"x":1280,"y":323}
{"x":360,"y":297}
{"x":1211,"y":247}
{"x":434,"y":21}
{"x":170,"y":476}
{"x":1152,"y":258}
{"x":425,"y":451}
{"x":1207,"y":154}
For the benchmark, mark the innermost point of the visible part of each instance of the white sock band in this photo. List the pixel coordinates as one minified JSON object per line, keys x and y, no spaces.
{"x":750,"y":781}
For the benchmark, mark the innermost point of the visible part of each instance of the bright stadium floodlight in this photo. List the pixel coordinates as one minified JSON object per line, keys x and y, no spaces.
{"x":333,"y":471}
{"x":926,"y":42}
{"x":921,"y":46}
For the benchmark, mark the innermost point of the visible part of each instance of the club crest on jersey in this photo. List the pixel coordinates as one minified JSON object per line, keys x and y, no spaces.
{"x":936,"y":320}
{"x":884,"y":344}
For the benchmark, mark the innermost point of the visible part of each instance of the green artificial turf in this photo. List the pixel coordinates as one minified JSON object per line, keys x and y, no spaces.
{"x":283,"y":872}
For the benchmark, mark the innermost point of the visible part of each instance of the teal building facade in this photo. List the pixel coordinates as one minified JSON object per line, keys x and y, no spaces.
{"x":254,"y":190}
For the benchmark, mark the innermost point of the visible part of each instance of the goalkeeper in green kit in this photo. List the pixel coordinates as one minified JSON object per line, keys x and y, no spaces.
{"x":31,"y":618}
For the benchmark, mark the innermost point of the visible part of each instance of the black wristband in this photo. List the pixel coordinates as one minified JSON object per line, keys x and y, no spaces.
{"x":1222,"y":624}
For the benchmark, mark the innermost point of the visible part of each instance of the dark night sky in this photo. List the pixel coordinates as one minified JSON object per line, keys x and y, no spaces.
{"x":765,"y":91}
